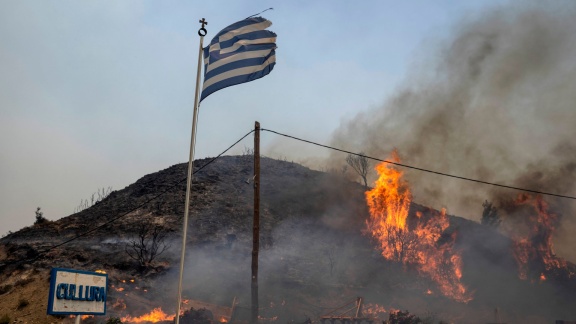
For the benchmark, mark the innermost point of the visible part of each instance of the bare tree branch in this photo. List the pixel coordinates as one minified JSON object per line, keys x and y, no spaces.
{"x":95,"y":198}
{"x":360,"y":164}
{"x":149,"y":243}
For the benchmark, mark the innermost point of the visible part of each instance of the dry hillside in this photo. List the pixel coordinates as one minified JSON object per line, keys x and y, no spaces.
{"x":316,"y":253}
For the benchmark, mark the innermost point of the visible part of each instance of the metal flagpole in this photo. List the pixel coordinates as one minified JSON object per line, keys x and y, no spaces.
{"x":201,"y":32}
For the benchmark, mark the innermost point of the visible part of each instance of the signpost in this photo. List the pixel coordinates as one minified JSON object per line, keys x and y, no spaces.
{"x":76,"y":292}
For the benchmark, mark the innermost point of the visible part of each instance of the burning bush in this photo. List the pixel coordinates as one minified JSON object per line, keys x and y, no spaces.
{"x":531,"y":223}
{"x":421,"y":242}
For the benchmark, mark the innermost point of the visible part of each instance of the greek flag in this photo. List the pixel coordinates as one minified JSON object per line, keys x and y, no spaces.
{"x":241,"y":52}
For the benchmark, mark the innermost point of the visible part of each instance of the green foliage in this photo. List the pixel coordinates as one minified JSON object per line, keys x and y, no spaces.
{"x":113,"y":320}
{"x":23,"y":303}
{"x":5,"y":319}
{"x":40,"y":219}
{"x":490,"y":216}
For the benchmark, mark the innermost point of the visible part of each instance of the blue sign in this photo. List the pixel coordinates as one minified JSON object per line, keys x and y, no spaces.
{"x":76,"y":292}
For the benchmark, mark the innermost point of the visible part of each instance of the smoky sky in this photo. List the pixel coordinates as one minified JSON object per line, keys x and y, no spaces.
{"x":494,"y":101}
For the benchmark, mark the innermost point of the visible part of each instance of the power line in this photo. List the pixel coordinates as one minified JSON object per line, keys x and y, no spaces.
{"x":421,"y":169}
{"x":41,"y":253}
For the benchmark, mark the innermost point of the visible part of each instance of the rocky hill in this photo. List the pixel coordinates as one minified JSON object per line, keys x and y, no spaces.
{"x":316,"y":254}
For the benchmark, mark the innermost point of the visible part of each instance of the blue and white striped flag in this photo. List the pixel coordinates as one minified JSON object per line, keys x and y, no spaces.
{"x":241,"y":52}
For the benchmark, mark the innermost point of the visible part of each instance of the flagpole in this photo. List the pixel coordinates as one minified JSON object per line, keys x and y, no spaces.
{"x":201,"y":32}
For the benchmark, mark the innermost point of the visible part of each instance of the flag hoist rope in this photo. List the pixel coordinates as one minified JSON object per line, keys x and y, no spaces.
{"x":201,"y":32}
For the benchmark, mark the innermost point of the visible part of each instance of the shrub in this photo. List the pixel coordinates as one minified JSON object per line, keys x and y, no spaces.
{"x":200,"y":316}
{"x":113,"y":320}
{"x":150,"y":243}
{"x":5,"y":319}
{"x":490,"y":216}
{"x":405,"y":317}
{"x":4,"y":289}
{"x":23,"y":303}
{"x":40,"y":219}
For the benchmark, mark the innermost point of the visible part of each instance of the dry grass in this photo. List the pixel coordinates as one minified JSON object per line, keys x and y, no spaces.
{"x":26,"y":302}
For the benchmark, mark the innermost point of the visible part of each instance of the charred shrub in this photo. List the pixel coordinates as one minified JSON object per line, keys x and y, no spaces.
{"x":148,"y":245}
{"x":405,"y":317}
{"x":23,"y":303}
{"x":4,"y":289}
{"x":80,"y":258}
{"x":5,"y":319}
{"x":40,"y":219}
{"x":123,"y":266}
{"x":200,"y":316}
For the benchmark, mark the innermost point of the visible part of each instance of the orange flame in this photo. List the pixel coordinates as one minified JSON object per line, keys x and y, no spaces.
{"x":535,"y":248}
{"x":156,"y":315}
{"x":82,"y":316}
{"x":374,"y":310}
{"x":417,"y":243}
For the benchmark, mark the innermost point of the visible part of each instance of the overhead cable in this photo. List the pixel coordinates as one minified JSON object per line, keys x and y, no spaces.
{"x":41,"y":253}
{"x":421,"y":169}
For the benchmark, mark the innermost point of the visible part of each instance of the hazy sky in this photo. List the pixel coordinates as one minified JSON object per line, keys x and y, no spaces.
{"x":99,"y":93}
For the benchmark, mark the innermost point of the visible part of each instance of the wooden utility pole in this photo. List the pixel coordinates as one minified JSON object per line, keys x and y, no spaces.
{"x":256,"y":225}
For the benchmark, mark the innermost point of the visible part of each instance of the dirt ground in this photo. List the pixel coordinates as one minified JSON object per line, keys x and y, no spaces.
{"x":27,"y":300}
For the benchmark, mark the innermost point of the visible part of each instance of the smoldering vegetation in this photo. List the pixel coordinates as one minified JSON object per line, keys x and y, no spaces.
{"x":310,"y":267}
{"x":494,"y":101}
{"x":315,"y":255}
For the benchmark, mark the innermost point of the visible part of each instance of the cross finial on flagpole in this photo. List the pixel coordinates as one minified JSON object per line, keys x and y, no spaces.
{"x":202,"y":31}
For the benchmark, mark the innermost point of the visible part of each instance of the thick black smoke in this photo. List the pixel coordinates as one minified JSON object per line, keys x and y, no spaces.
{"x":496,"y":102}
